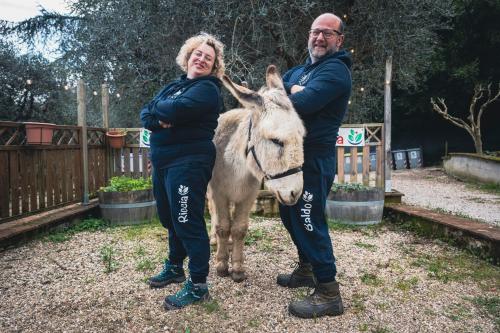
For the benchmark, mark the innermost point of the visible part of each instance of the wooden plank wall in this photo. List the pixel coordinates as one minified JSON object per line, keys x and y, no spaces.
{"x":36,"y":178}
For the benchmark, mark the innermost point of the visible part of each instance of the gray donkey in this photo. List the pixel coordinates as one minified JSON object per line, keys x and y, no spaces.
{"x":263,"y":140}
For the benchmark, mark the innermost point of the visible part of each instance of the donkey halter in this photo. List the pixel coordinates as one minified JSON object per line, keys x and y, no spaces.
{"x":266,"y":175}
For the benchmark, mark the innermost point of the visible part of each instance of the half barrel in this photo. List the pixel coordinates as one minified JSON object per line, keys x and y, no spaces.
{"x":356,"y":207}
{"x":131,"y":207}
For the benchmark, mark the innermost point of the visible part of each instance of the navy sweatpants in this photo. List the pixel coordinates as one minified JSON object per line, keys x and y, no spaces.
{"x":180,"y":198}
{"x":306,"y":222}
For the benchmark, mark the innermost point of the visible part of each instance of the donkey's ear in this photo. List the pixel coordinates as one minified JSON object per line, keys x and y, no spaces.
{"x":245,"y":96}
{"x":273,"y":78}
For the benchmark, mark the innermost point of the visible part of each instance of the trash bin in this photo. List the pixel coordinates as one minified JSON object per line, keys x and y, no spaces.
{"x":414,"y":157}
{"x":399,"y":159}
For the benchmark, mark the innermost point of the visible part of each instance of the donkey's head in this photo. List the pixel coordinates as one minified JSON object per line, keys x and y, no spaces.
{"x":274,"y":138}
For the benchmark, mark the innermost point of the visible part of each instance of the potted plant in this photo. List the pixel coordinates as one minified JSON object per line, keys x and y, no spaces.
{"x":355,"y":204}
{"x":127,"y":200}
{"x":116,"y":138}
{"x":39,"y":133}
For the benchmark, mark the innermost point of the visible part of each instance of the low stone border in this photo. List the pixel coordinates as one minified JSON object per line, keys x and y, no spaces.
{"x":480,"y":238}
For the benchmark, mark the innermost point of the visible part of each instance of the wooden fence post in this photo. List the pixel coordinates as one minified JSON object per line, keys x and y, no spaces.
{"x":105,"y":105}
{"x":387,"y":125}
{"x":82,"y":122}
{"x":105,"y":125}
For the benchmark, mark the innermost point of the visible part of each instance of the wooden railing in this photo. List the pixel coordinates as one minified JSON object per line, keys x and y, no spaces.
{"x":372,"y":151}
{"x":136,"y":165}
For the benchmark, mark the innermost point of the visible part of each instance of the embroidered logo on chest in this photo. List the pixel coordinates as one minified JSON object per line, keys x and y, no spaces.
{"x":304,"y":78}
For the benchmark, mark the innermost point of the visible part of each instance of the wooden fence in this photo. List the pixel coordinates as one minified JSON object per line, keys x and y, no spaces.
{"x":370,"y":157}
{"x":35,"y":178}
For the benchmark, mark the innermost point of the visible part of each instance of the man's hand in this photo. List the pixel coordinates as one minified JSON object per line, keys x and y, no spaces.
{"x":296,"y":88}
{"x":164,"y":125}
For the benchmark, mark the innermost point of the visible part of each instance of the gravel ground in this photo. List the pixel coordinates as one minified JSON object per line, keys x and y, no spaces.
{"x":392,"y":281}
{"x":432,"y":188}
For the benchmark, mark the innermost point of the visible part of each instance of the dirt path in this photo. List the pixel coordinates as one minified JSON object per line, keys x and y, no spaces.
{"x":392,"y":281}
{"x":432,"y":188}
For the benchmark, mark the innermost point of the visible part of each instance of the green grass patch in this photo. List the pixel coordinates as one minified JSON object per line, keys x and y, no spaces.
{"x":371,"y":279}
{"x":211,"y":306}
{"x":490,"y":187}
{"x":147,"y":230}
{"x":255,"y":235}
{"x":460,"y":266}
{"x":367,"y":246}
{"x":407,"y":284}
{"x":489,"y":306}
{"x":108,"y":257}
{"x":65,"y":234}
{"x":145,"y":265}
{"x":358,"y":303}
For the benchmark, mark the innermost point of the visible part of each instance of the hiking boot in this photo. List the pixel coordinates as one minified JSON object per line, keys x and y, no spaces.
{"x":170,"y":274}
{"x":324,"y":301}
{"x":189,"y":294}
{"x":302,"y":276}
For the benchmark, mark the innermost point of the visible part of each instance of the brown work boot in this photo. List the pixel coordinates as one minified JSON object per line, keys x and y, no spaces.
{"x":302,"y":276}
{"x":325,"y":301}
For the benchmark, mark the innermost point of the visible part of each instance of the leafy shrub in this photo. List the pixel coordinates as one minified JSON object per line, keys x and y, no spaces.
{"x":125,"y":184}
{"x":349,"y":187}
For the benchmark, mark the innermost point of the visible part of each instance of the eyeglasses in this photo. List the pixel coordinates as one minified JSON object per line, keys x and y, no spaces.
{"x":327,"y":33}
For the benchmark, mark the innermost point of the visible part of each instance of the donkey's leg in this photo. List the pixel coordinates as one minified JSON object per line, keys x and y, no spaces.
{"x":213,"y":217}
{"x":222,"y":230}
{"x":238,"y":232}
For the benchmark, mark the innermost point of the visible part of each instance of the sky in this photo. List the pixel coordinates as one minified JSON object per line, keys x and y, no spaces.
{"x":19,"y":10}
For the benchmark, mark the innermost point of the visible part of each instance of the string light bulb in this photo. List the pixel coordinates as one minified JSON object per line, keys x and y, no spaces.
{"x":28,"y":81}
{"x":118,"y":95}
{"x":362,"y":89}
{"x":66,"y":87}
{"x":95,"y":93}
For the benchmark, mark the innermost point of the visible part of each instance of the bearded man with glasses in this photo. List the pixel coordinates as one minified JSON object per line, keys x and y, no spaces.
{"x":319,"y":90}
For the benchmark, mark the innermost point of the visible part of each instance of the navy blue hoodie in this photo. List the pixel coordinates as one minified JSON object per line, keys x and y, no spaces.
{"x":322,"y":104}
{"x":192,"y":107}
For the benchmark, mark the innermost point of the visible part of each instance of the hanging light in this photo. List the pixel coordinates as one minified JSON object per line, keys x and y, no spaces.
{"x":29,"y":81}
{"x":95,"y":93}
{"x":66,"y":87}
{"x":118,"y":95}
{"x":362,"y":89}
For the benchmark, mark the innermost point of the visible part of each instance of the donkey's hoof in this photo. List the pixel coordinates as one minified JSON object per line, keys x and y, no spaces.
{"x":222,"y":271}
{"x":238,"y":276}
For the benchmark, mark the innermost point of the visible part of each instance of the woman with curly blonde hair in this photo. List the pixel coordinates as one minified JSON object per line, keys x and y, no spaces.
{"x":182,"y":119}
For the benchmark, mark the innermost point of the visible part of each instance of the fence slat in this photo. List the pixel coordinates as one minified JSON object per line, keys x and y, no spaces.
{"x":366,"y":165}
{"x":14,"y":182}
{"x":4,"y":184}
{"x":354,"y":165}
{"x":126,"y":161}
{"x":340,"y":164}
{"x":135,"y":154}
{"x":24,"y":167}
{"x":380,"y":179}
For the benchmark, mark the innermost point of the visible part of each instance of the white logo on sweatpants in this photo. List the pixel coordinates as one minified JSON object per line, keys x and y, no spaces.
{"x":305,"y":212}
{"x":183,"y":212}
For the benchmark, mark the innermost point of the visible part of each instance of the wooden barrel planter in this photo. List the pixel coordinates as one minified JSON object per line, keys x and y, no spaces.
{"x":356,"y":207}
{"x":125,"y":208}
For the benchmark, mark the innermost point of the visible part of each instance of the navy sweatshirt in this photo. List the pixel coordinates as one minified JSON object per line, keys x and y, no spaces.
{"x":192,"y":107}
{"x":322,"y":104}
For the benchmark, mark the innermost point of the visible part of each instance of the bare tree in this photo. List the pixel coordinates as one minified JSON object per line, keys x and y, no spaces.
{"x":476,"y":109}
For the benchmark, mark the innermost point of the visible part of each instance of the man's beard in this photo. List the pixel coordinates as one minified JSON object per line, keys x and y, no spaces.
{"x":327,"y":52}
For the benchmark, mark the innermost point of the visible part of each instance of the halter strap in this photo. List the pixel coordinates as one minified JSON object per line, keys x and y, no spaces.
{"x":254,"y":154}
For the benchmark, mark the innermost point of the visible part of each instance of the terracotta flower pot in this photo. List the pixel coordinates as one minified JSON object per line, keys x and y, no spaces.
{"x":116,"y":139}
{"x":39,"y":133}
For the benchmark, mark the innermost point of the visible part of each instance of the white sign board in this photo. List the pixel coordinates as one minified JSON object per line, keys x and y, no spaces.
{"x":351,"y":137}
{"x":144,"y":141}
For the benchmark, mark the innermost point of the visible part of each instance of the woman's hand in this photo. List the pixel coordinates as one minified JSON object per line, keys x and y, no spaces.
{"x":164,"y":125}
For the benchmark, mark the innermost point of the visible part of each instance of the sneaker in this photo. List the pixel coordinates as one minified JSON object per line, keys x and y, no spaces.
{"x":170,"y":274}
{"x":189,"y":294}
{"x":302,"y":276}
